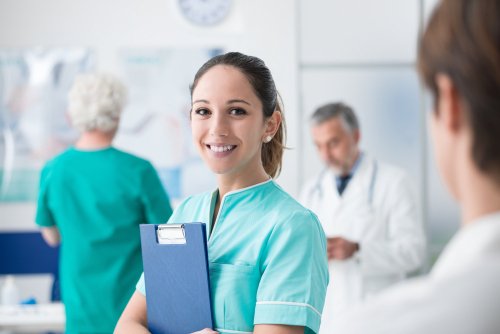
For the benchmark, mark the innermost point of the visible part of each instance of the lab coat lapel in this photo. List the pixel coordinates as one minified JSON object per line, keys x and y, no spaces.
{"x":353,"y":203}
{"x":331,"y":203}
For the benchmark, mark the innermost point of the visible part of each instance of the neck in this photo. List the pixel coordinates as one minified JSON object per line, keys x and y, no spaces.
{"x":239,"y":180}
{"x":93,"y":140}
{"x":351,"y":164}
{"x":479,"y":196}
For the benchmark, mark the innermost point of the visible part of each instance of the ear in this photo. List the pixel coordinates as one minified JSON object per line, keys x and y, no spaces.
{"x":357,"y":136}
{"x":272,"y":125}
{"x":449,"y":107}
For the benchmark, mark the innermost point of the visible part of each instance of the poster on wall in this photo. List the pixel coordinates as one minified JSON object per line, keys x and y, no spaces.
{"x":33,"y":123}
{"x":155,"y":124}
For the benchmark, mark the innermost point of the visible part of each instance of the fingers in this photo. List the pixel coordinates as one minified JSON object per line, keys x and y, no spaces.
{"x":340,"y":255}
{"x":206,"y":331}
{"x":335,"y":242}
{"x":330,"y":248}
{"x":339,"y":248}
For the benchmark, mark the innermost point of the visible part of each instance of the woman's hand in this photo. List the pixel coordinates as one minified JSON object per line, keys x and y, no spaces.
{"x":206,"y":331}
{"x":134,"y":317}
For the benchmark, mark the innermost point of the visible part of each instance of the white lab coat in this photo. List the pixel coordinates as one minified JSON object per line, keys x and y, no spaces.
{"x":461,"y":295}
{"x":377,"y":210}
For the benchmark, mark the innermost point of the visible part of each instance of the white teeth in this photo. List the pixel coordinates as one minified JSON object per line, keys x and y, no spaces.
{"x":220,"y":149}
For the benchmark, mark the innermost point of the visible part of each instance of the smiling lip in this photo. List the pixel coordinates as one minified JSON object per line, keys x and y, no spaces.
{"x":221,"y":150}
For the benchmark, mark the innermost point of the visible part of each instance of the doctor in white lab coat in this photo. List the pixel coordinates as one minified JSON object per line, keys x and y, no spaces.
{"x":368,"y":212}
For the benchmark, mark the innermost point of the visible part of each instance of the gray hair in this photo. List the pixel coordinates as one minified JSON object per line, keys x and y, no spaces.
{"x":96,"y":102}
{"x":332,"y":110}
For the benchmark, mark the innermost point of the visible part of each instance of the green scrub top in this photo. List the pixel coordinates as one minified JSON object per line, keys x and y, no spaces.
{"x":97,"y":199}
{"x":267,"y":257}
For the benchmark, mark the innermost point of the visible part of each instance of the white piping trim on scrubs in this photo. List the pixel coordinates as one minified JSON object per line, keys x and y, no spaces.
{"x":231,"y":331}
{"x":244,"y":189}
{"x":289,"y":303}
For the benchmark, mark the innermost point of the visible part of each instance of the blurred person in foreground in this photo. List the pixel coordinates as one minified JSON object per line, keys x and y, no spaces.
{"x":459,"y":61}
{"x":92,"y":199}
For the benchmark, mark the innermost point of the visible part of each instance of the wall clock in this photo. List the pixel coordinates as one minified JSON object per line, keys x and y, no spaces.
{"x":205,"y":12}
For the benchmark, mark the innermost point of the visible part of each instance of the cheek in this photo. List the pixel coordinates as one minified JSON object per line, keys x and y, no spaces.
{"x":251,"y":132}
{"x":442,"y":153}
{"x":197,"y":131}
{"x":196,"y":126}
{"x":328,"y":151}
{"x":334,"y":151}
{"x":436,"y":140}
{"x":343,"y":150}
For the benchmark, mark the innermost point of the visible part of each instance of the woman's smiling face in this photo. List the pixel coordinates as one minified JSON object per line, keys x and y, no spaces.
{"x":227,"y":122}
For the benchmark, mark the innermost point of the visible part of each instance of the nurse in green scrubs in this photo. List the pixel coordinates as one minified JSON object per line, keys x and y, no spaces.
{"x":267,"y":253}
{"x":93,"y":198}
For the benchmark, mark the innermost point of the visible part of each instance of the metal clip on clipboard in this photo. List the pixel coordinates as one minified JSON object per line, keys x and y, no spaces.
{"x":171,"y":234}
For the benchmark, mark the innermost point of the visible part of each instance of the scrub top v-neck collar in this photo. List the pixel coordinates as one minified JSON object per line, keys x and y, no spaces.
{"x":212,"y":225}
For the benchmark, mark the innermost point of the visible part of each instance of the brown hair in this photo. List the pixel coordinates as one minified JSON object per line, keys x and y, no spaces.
{"x":263,"y":85}
{"x":462,"y":40}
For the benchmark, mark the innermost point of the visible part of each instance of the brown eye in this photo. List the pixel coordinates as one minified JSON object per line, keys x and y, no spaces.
{"x":237,"y":111}
{"x":202,"y":112}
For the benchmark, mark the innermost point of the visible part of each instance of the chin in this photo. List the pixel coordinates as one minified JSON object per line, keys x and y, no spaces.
{"x":451,"y":186}
{"x":219,"y":170}
{"x":336,"y":170}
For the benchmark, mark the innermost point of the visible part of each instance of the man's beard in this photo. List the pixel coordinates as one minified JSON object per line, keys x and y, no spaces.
{"x":336,"y":169}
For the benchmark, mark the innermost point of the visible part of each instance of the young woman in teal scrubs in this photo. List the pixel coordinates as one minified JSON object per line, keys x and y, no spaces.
{"x":267,"y":253}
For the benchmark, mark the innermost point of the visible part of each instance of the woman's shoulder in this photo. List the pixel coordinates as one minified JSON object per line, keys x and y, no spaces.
{"x":291,"y":220}
{"x":283,"y":198}
{"x":290,"y":209}
{"x":197,"y":199}
{"x":192,"y":208}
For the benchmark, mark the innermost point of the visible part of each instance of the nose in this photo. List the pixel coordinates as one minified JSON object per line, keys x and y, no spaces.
{"x":219,"y":126}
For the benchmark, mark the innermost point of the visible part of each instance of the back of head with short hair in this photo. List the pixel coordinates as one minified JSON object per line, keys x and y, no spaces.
{"x":96,"y":101}
{"x":462,"y":41}
{"x":334,"y":110}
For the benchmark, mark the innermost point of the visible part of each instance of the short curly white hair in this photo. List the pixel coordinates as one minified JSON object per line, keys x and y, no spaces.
{"x":96,"y":101}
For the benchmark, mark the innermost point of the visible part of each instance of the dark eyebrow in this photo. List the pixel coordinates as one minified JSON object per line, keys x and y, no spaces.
{"x":204,"y":101}
{"x":228,"y":102}
{"x":238,"y":101}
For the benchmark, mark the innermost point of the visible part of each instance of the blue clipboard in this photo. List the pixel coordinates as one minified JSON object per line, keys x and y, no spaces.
{"x":176,"y":276}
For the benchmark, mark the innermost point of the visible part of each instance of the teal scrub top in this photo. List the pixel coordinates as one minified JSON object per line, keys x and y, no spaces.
{"x":267,"y":258}
{"x":97,"y":199}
